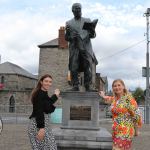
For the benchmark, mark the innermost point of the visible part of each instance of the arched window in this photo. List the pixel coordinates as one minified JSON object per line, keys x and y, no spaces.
{"x":11,"y":104}
{"x":2,"y":79}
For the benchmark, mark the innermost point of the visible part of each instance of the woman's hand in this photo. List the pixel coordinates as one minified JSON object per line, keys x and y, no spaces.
{"x":107,"y":99}
{"x":57,"y":92}
{"x":41,"y":134}
{"x":136,"y":131}
{"x":102,"y":94}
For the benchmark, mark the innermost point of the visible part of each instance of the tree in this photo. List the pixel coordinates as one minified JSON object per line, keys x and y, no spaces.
{"x":139,"y":95}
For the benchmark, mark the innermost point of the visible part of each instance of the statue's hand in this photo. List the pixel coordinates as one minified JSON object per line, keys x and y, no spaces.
{"x":92,"y":33}
{"x":67,"y":28}
{"x":75,"y":35}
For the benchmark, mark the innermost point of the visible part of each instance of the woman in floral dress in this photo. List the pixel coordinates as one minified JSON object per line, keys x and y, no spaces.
{"x":125,"y":114}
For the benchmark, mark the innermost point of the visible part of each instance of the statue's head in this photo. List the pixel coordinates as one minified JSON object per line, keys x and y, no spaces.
{"x":76,"y":9}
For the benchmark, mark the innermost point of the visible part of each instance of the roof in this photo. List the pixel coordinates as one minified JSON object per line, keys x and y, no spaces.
{"x":104,"y":79}
{"x":50,"y":44}
{"x":10,"y":68}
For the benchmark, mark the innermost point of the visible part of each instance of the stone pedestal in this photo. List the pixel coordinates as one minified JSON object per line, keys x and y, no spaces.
{"x":80,"y":123}
{"x":80,"y":110}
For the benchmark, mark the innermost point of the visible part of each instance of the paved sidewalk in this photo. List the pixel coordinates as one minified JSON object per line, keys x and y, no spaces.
{"x":14,"y":137}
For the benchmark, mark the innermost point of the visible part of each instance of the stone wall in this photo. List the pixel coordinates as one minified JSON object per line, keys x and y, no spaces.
{"x":21,"y":98}
{"x":12,"y":81}
{"x":19,"y":87}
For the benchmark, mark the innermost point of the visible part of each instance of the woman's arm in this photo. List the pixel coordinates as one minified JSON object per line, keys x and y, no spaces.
{"x":55,"y":96}
{"x":51,"y":102}
{"x":107,"y":99}
{"x":39,"y":113}
{"x":134,"y":112}
{"x":136,"y":130}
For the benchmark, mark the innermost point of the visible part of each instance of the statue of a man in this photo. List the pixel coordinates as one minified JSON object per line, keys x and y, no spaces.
{"x":81,"y":55}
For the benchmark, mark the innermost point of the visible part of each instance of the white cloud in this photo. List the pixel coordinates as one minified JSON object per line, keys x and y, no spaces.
{"x":21,"y":34}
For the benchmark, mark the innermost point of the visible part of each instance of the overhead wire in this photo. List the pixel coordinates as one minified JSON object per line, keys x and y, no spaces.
{"x":123,"y":50}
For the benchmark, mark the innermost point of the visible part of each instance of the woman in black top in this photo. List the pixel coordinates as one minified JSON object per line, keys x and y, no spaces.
{"x":40,"y":135}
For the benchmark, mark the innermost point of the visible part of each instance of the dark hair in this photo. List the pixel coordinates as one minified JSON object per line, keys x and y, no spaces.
{"x":125,"y":91}
{"x":38,"y":87}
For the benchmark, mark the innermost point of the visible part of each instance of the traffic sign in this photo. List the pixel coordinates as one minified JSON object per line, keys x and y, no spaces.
{"x":144,"y":71}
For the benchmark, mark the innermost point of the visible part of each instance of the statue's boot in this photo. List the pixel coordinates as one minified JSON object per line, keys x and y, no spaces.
{"x":88,"y":89}
{"x":75,"y":88}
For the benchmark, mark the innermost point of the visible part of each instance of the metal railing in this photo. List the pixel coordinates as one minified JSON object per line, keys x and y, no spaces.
{"x":17,"y":114}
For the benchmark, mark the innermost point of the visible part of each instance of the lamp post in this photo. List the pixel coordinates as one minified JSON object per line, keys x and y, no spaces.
{"x":147,"y":101}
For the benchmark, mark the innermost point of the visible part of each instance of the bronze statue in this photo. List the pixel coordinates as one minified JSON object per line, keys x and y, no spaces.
{"x":79,"y":31}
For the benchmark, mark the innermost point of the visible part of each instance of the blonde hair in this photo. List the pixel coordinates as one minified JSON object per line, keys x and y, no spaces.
{"x":125,"y":91}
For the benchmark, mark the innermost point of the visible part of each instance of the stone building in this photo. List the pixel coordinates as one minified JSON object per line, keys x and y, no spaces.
{"x":101,"y":83}
{"x":16,"y":86}
{"x":54,"y":59}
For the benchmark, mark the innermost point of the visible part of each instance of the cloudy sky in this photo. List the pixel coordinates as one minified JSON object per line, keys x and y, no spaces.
{"x":120,"y":45}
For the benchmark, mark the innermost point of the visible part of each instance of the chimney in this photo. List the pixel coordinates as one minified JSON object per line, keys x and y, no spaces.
{"x":61,"y":39}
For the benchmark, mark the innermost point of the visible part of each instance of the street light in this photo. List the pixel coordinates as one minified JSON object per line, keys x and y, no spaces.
{"x":148,"y":11}
{"x":147,"y":106}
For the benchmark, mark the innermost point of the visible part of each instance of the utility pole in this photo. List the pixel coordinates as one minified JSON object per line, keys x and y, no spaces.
{"x":147,"y":98}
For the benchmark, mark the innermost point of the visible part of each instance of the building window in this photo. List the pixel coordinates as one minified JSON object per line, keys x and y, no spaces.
{"x":2,"y":79}
{"x":11,"y":104}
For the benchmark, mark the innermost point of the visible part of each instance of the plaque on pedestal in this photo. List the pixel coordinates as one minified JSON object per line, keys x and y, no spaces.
{"x":80,"y":112}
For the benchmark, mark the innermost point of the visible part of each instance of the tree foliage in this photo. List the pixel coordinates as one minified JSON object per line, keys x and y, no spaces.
{"x":139,"y":95}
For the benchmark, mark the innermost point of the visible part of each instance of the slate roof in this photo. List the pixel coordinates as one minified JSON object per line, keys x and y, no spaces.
{"x":10,"y":68}
{"x":50,"y":44}
{"x":104,"y":79}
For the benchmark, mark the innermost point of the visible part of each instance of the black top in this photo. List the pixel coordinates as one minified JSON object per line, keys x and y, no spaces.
{"x":42,"y":103}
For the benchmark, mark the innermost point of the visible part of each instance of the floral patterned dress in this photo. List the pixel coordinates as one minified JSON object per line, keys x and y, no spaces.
{"x":126,"y":116}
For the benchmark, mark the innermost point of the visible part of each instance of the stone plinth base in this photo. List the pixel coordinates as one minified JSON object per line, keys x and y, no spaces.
{"x":80,"y":128}
{"x":70,"y":139}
